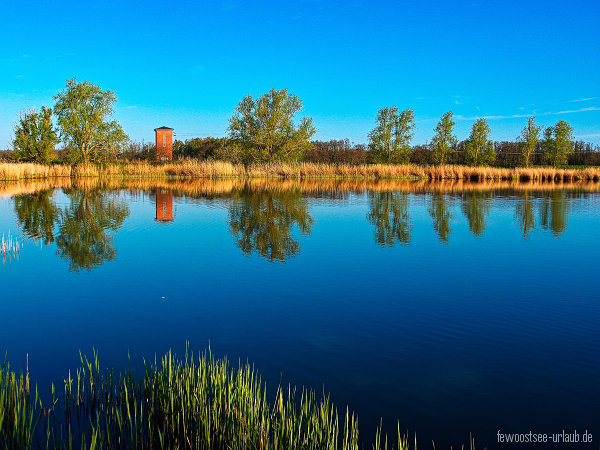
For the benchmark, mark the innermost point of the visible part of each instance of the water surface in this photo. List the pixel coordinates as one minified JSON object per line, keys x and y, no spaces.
{"x":454,"y":308}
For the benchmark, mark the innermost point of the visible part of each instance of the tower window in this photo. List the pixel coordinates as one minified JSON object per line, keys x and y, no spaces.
{"x":164,"y":139}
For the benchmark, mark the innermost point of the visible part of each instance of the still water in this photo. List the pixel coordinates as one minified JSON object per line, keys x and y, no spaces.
{"x":451,"y":308}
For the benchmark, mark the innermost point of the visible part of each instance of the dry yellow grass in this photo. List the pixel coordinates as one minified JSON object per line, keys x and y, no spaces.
{"x":9,"y":171}
{"x":221,"y":169}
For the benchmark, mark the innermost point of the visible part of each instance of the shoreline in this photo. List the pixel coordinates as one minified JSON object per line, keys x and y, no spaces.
{"x":192,"y":169}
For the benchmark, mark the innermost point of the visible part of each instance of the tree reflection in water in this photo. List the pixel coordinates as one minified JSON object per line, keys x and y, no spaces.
{"x":554,"y":209}
{"x":524,"y":213}
{"x":388,"y":211}
{"x":81,"y":230}
{"x":83,"y":237}
{"x":37,"y":215}
{"x":476,"y":205}
{"x":439,"y":210}
{"x":262,"y":221}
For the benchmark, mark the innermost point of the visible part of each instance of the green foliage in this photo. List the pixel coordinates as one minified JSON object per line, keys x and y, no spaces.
{"x":390,"y":139}
{"x":479,"y":151}
{"x":548,"y":142}
{"x":263,"y":129}
{"x":558,"y":143}
{"x":444,"y":140}
{"x":201,"y":148}
{"x":35,"y":137}
{"x":84,"y":111}
{"x":530,"y":137}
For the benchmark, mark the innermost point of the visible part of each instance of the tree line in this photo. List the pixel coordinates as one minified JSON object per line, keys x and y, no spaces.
{"x":265,"y":130}
{"x":83,"y":113}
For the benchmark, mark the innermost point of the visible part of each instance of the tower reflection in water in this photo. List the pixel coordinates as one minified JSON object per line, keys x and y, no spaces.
{"x":164,"y":205}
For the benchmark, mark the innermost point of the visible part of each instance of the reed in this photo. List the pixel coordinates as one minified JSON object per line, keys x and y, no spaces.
{"x":10,"y":247}
{"x":200,"y":403}
{"x":190,"y":168}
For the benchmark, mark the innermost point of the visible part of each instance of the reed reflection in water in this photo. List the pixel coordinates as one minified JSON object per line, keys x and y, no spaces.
{"x":264,"y":216}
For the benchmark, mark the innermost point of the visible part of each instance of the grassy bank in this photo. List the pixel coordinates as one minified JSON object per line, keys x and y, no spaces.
{"x":220,"y":169}
{"x":190,"y":403}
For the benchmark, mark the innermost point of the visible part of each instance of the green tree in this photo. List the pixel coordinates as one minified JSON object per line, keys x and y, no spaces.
{"x":558,"y":143}
{"x":388,"y":211}
{"x":548,"y":142}
{"x":263,"y":220}
{"x":84,"y":114}
{"x":444,"y":140}
{"x":530,"y":137}
{"x":390,"y":139}
{"x":35,"y":136}
{"x":264,"y":130}
{"x":479,"y":151}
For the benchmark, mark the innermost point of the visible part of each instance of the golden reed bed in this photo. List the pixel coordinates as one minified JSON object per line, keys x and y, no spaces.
{"x":220,"y":169}
{"x":224,"y":187}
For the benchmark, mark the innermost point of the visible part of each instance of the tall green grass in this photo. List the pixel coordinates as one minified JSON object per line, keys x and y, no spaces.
{"x":200,"y":403}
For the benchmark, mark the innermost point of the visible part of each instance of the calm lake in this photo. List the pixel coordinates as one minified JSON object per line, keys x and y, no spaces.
{"x":454,"y":308}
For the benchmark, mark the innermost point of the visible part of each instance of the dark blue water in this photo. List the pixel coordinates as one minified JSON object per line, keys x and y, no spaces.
{"x":454,"y":312}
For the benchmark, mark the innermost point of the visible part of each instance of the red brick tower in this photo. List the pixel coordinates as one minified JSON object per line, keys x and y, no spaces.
{"x":164,"y":205}
{"x":164,"y":143}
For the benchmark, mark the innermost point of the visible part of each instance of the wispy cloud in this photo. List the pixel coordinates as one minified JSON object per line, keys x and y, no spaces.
{"x":584,"y":99}
{"x":593,"y":135}
{"x":589,"y":108}
{"x":490,"y":117}
{"x":520,"y":116}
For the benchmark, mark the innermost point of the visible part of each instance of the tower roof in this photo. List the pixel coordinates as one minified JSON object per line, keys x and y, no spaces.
{"x":163,"y":128}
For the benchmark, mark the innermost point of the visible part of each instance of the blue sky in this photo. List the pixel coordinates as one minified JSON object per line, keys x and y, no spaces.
{"x":186,"y":64}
